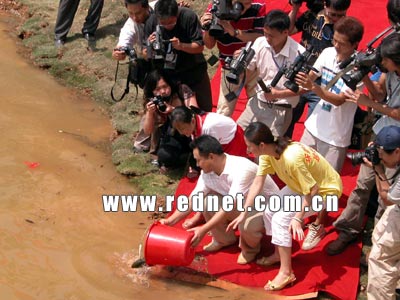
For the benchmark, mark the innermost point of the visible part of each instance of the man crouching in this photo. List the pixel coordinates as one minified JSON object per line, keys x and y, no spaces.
{"x":225,"y":174}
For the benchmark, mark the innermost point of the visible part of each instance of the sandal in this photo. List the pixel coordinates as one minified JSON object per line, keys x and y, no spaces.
{"x":267,"y":261}
{"x":270,"y":286}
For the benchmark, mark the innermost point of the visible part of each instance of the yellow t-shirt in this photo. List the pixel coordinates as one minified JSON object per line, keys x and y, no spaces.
{"x":301,"y":167}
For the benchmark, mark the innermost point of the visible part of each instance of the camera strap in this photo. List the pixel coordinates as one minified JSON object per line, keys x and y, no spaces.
{"x":235,"y":95}
{"x":387,"y":179}
{"x":337,"y":76}
{"x":126,"y":91}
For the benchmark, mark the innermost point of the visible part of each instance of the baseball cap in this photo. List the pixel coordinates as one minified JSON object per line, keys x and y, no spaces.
{"x":388,"y":138}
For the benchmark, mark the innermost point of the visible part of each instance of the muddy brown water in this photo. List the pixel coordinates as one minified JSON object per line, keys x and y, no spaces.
{"x":56,"y":242}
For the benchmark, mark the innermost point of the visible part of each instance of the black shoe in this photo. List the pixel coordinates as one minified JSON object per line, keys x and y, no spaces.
{"x":338,"y":246}
{"x":59,"y":43}
{"x":89,"y":37}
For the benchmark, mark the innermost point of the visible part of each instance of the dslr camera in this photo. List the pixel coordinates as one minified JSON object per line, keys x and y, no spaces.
{"x":300,"y":64}
{"x":159,"y":102}
{"x":130,"y":52}
{"x":237,"y":66}
{"x":371,"y":153}
{"x":223,"y":10}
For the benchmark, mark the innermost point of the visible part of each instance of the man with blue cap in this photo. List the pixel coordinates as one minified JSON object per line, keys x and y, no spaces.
{"x":384,"y":259}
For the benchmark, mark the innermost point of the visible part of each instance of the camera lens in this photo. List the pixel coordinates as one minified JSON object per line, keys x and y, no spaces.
{"x":356,"y":158}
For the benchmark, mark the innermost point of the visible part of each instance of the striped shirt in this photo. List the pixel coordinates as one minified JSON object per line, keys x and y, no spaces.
{"x":251,"y":21}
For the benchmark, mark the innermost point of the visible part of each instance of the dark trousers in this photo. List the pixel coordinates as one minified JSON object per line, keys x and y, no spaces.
{"x":66,"y":14}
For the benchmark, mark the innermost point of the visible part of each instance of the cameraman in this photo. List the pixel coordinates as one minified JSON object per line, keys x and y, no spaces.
{"x":384,"y":259}
{"x":316,"y":26}
{"x":273,"y":51}
{"x":182,"y":37}
{"x":387,"y":102}
{"x":235,"y":36}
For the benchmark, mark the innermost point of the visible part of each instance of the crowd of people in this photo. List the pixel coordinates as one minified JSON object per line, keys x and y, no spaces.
{"x":236,"y":157}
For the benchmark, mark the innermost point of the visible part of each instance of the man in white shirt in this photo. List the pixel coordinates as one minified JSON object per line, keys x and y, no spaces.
{"x":272,"y":52}
{"x":328,"y":128}
{"x":226,"y":175}
{"x":132,"y":32}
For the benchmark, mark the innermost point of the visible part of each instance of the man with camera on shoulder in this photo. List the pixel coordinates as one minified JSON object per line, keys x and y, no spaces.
{"x":230,"y":32}
{"x":384,"y":259}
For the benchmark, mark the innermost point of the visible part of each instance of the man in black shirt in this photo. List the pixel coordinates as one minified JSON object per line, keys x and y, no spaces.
{"x":183,"y":41}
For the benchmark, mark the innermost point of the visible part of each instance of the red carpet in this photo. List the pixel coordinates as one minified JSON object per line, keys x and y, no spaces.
{"x":315,"y":270}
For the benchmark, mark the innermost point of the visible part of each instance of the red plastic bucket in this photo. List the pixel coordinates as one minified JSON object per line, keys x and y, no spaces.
{"x":166,"y":245}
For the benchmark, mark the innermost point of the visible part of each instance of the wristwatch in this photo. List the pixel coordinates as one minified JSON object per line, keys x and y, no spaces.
{"x":236,"y":33}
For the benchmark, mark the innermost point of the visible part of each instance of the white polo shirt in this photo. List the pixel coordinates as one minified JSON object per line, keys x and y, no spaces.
{"x":237,"y":177}
{"x":268,"y":63}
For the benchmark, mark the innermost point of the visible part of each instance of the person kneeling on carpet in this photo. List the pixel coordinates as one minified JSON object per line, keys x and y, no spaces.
{"x":225,"y":176}
{"x":306,"y":174}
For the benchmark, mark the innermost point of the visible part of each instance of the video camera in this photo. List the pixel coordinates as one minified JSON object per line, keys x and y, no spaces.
{"x":371,"y":153}
{"x":223,"y":10}
{"x":157,"y":49}
{"x":238,"y":65}
{"x":159,"y":102}
{"x":365,"y":62}
{"x":300,"y":64}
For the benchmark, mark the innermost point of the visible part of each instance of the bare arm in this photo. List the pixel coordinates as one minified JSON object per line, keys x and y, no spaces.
{"x":382,"y":184}
{"x":376,"y":91}
{"x":307,"y":81}
{"x":292,"y":17}
{"x":192,"y":48}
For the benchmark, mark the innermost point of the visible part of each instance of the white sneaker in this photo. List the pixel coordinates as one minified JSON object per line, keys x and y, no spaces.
{"x":314,"y":235}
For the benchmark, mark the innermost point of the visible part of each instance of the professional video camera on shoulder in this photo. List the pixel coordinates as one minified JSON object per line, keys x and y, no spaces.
{"x":362,"y":63}
{"x":237,"y":66}
{"x":300,"y":64}
{"x":223,"y":10}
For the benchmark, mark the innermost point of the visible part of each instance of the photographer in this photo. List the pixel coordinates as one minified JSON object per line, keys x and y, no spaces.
{"x":387,"y":102}
{"x":384,"y":259}
{"x":183,"y":42}
{"x":234,"y":36}
{"x":132,"y":32}
{"x":316,"y":26}
{"x":273,"y":51}
{"x":161,"y":96}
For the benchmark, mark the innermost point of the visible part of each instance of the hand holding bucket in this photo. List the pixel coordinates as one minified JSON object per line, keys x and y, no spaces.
{"x":167,"y":245}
